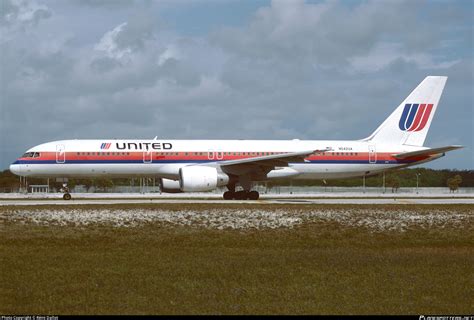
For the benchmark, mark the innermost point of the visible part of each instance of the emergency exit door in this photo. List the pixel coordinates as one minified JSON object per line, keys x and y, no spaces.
{"x":372,"y":154}
{"x":60,"y":153}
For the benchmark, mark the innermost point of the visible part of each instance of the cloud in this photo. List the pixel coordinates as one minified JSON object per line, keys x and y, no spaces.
{"x":19,"y":16}
{"x":385,"y":54}
{"x":326,"y":70}
{"x":22,"y":13}
{"x":108,"y":44}
{"x":127,"y":37}
{"x":329,"y":33}
{"x":105,"y":3}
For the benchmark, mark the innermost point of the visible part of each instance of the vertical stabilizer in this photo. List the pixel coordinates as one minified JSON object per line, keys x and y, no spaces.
{"x":410,"y":122}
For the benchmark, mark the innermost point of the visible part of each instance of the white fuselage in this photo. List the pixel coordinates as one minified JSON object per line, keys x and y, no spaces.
{"x":164,"y":158}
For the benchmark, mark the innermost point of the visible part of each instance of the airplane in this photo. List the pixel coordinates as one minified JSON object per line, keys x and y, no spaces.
{"x":204,"y":165}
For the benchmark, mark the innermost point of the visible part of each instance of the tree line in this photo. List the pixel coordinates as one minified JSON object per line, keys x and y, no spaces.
{"x":403,"y":178}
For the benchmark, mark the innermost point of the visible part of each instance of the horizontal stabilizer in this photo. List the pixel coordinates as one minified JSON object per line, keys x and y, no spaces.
{"x":426,"y":152}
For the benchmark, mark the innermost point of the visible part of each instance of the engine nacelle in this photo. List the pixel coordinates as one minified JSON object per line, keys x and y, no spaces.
{"x":170,"y":186}
{"x":201,"y":178}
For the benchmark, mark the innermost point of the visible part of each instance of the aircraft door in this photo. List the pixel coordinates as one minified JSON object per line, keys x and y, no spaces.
{"x":147,"y":156}
{"x":210,"y":154}
{"x":60,"y":153}
{"x":372,"y":154}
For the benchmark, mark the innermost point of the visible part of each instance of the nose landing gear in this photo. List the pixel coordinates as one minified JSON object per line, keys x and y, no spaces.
{"x":65,"y":190}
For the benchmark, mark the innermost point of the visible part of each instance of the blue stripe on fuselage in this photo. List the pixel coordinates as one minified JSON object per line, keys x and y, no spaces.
{"x":199,"y":161}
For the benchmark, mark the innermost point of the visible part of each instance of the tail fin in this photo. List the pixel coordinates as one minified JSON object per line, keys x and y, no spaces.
{"x":410,"y":122}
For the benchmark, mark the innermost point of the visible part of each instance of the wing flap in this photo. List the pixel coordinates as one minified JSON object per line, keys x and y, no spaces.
{"x":426,"y":152}
{"x":261,"y":166}
{"x":272,"y":160}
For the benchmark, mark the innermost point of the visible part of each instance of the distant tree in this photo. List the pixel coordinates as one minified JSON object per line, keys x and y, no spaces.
{"x":72,"y":183}
{"x":87,"y":183}
{"x":8,"y":181}
{"x":104,"y":184}
{"x":395,"y":186}
{"x":453,"y":183}
{"x":393,"y":182}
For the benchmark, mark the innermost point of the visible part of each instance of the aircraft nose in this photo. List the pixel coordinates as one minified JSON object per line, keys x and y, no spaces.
{"x":15,"y":169}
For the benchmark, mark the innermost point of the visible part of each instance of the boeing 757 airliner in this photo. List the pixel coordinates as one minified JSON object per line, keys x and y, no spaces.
{"x":204,"y":165}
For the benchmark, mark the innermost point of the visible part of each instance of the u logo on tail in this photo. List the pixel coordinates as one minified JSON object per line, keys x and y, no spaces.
{"x":415,"y":116}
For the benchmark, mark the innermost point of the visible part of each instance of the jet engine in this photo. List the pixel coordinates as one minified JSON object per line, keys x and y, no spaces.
{"x":201,"y":178}
{"x":169,"y":186}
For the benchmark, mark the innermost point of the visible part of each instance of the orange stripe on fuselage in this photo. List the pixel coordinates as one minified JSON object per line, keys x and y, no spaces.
{"x":201,"y":156}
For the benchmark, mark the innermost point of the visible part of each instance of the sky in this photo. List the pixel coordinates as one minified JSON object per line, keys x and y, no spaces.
{"x":224,"y":69}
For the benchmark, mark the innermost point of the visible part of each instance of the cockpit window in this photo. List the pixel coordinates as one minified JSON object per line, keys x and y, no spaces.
{"x":31,"y":155}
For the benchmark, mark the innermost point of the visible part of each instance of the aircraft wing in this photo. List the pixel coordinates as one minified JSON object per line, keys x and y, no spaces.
{"x":264,"y":164}
{"x":426,"y":152}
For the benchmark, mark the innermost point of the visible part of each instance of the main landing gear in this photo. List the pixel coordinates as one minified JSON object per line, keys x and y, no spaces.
{"x":241,"y":195}
{"x":245,"y":194}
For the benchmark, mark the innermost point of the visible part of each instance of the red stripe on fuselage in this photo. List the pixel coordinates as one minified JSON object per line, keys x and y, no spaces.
{"x":202,"y":156}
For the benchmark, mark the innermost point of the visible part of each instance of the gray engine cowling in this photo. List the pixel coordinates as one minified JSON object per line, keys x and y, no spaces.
{"x":170,"y":186}
{"x":201,"y":178}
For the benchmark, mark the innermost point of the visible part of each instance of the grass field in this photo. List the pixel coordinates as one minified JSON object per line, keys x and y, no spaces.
{"x":237,"y":259}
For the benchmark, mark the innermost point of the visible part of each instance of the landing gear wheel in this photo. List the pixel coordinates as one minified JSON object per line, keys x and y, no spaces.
{"x":67,"y":196}
{"x":229,"y":195}
{"x":253,"y":195}
{"x":240,"y":195}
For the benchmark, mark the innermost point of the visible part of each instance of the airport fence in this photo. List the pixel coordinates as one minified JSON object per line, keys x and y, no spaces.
{"x":262,"y":189}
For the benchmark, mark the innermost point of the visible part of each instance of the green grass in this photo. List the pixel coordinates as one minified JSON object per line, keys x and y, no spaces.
{"x":322,"y":268}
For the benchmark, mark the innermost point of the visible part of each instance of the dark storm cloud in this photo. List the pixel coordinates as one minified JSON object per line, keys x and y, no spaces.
{"x":295,"y":70}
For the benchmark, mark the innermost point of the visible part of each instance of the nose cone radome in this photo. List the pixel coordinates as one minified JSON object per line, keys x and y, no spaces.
{"x":15,"y":169}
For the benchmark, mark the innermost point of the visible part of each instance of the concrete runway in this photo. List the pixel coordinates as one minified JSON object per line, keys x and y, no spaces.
{"x":262,"y":201}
